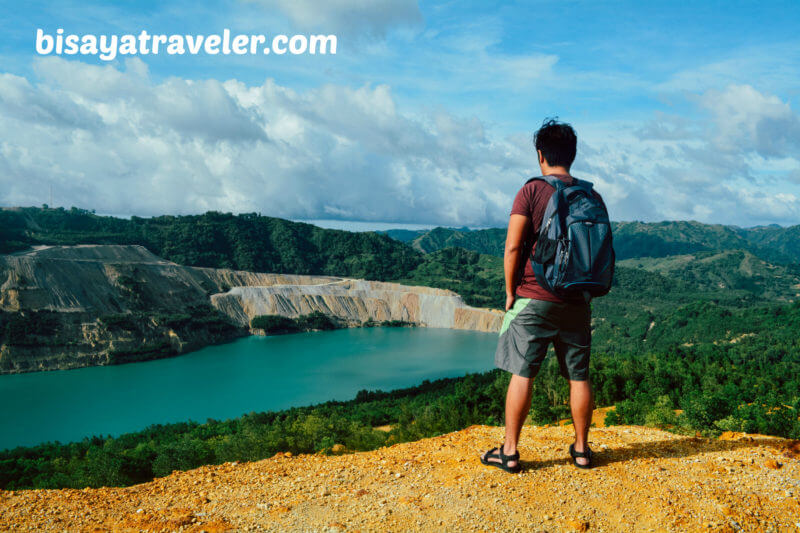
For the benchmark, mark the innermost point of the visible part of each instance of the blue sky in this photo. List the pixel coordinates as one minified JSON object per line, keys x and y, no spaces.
{"x":424,"y":116}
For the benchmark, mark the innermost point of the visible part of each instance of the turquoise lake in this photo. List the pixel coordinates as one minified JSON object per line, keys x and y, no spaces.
{"x":228,"y":380}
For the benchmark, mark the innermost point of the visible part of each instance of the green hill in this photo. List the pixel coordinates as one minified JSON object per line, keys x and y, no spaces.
{"x":775,"y":243}
{"x":637,"y":239}
{"x":220,"y":240}
{"x":478,"y":278}
{"x":489,"y":241}
{"x":660,"y":239}
{"x":404,"y":235}
{"x":736,"y":270}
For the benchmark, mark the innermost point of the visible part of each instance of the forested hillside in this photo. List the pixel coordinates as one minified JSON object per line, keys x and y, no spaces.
{"x":734,"y":271}
{"x":220,"y":240}
{"x":701,"y":318}
{"x":488,"y":241}
{"x":266,"y":244}
{"x":635,"y":239}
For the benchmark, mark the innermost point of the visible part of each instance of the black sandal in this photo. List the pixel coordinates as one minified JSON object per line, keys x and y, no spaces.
{"x":587,"y":454}
{"x":504,"y":459}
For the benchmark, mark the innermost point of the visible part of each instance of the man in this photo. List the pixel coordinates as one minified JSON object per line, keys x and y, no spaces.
{"x":535,"y":317}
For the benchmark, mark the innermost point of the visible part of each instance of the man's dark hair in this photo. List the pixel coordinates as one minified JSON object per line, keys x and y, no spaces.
{"x":557,"y":141}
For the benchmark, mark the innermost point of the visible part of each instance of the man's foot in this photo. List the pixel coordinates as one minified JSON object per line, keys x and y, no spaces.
{"x":502,"y":457}
{"x":583,"y":457}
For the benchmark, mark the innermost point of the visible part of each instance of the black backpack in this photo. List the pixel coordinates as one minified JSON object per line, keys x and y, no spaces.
{"x":574,"y":256}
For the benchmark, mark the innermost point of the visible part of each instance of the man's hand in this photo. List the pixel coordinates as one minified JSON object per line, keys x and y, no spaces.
{"x":510,"y":298}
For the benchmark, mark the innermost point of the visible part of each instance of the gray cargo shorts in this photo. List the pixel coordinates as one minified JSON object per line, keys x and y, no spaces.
{"x":529,"y":327}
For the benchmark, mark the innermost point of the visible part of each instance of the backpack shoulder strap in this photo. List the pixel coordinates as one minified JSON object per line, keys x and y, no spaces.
{"x":558,"y":185}
{"x":552,"y":180}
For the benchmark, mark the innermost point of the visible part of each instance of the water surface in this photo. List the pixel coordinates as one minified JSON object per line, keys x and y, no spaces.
{"x":228,"y":380}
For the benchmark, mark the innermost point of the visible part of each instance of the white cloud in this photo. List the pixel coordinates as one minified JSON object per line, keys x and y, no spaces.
{"x":747,"y":120}
{"x":183,"y":146}
{"x":735,"y":161}
{"x":20,"y":101}
{"x":118,"y":142}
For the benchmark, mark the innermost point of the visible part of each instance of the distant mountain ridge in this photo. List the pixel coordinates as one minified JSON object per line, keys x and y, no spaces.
{"x":634,"y":239}
{"x":486,"y":241}
{"x":254,"y":242}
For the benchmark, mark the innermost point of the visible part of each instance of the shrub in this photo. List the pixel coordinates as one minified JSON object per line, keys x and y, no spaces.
{"x":274,"y":324}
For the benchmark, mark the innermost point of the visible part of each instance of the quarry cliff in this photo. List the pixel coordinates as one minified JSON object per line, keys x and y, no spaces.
{"x":73,"y":306}
{"x":644,"y":480}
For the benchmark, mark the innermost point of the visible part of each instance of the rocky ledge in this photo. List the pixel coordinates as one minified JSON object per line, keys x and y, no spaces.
{"x":644,"y":480}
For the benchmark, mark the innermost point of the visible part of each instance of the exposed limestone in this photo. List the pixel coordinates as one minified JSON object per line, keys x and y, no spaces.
{"x":80,"y":286}
{"x":93,"y":278}
{"x":357,"y":301}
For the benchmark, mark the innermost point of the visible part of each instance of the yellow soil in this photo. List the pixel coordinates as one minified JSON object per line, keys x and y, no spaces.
{"x":598,"y":417}
{"x":645,"y":480}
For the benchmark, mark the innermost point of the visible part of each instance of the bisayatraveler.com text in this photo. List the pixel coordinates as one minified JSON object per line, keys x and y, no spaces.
{"x":108,"y":47}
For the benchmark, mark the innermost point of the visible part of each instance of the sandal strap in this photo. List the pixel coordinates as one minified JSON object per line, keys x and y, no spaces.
{"x":506,"y":458}
{"x":586,"y":454}
{"x":497,"y":453}
{"x":494,"y":453}
{"x":513,"y":457}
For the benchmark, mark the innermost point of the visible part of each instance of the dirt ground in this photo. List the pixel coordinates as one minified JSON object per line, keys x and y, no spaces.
{"x":644,"y":480}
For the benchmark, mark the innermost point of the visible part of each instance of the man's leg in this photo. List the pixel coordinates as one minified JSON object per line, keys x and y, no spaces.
{"x":518,"y":403}
{"x":573,"y":350}
{"x":582,"y":404}
{"x":525,"y":335}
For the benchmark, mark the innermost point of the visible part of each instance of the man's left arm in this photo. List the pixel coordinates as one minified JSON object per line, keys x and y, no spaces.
{"x":518,"y":227}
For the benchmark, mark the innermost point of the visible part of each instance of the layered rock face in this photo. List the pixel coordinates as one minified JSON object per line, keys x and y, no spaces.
{"x":107,"y":279}
{"x":72,"y":306}
{"x":356,"y":301}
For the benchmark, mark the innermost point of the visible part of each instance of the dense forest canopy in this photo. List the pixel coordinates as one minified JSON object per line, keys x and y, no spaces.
{"x":220,"y":240}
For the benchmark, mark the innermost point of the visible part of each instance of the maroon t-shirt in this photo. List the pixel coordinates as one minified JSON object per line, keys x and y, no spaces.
{"x":531,"y":201}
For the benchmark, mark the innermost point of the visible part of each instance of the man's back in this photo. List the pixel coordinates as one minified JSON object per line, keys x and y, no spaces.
{"x":531,"y":201}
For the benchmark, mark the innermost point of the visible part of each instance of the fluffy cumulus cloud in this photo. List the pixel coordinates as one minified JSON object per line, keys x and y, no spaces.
{"x":734,"y":160}
{"x":119,"y":142}
{"x":748,"y":120}
{"x":352,"y":18}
